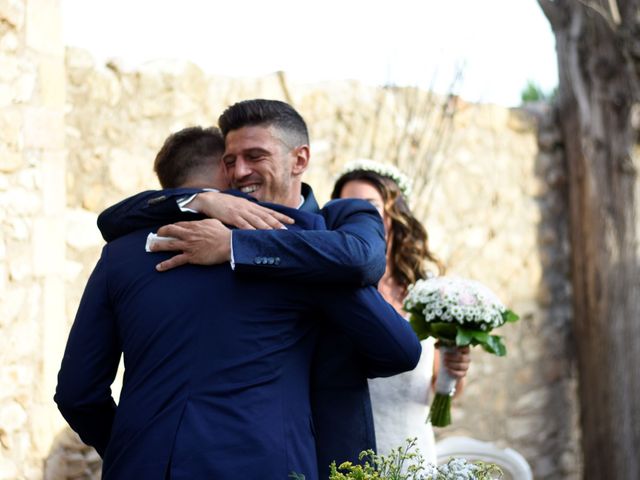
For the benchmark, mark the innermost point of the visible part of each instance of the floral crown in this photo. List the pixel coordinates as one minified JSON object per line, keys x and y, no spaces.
{"x":384,"y":169}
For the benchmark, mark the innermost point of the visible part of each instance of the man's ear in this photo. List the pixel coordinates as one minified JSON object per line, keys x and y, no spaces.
{"x":301,"y":160}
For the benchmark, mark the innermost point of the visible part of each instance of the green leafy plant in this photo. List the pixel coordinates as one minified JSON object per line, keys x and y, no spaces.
{"x":403,"y":463}
{"x":532,"y":92}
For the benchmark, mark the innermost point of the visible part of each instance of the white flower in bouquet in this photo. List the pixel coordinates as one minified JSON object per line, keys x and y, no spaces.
{"x":456,"y":312}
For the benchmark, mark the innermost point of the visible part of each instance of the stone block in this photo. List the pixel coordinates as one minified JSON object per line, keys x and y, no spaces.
{"x":54,"y":194}
{"x":9,"y":69}
{"x":532,"y":401}
{"x":48,"y":246}
{"x":44,"y":128}
{"x":72,"y":270}
{"x":9,"y":42}
{"x":81,"y":230}
{"x":12,"y":416}
{"x":104,"y":88}
{"x":8,"y":469}
{"x":20,"y":268}
{"x":4,"y":281}
{"x":10,"y":161}
{"x":127,"y":170}
{"x":25,"y":85}
{"x":54,"y":334}
{"x":51,"y":82}
{"x":6,"y":95}
{"x":46,"y":422}
{"x":12,"y":11}
{"x":93,"y":198}
{"x":76,"y":464}
{"x":27,"y":202}
{"x":44,"y":27}
{"x":11,"y":124}
{"x":17,"y":375}
{"x":19,"y":228}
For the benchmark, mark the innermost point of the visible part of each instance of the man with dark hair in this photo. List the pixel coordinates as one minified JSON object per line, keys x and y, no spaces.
{"x":188,"y":159}
{"x":217,"y":363}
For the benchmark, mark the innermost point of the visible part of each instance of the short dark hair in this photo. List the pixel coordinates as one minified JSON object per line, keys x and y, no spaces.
{"x":261,"y":112}
{"x":186,"y":152}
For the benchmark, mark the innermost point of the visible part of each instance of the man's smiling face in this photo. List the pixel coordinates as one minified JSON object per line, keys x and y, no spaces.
{"x":259,"y":163}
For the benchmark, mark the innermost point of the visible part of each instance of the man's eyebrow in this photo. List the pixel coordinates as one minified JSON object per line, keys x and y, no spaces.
{"x":256,"y":149}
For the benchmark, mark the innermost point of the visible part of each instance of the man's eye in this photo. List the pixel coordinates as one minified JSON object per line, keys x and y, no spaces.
{"x":229,"y":162}
{"x":255,"y":156}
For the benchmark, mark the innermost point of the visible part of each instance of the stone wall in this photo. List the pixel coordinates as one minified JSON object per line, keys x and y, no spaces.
{"x":490,"y":195}
{"x":32,"y":249}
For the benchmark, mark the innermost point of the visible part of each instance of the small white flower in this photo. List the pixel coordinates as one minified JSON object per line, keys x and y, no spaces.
{"x":384,"y":169}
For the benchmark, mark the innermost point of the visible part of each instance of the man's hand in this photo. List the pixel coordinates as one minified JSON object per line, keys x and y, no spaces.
{"x":239,"y":212}
{"x":457,"y":362}
{"x":203,"y":242}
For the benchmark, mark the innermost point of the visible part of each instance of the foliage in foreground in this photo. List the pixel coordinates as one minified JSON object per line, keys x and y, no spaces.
{"x":403,"y":464}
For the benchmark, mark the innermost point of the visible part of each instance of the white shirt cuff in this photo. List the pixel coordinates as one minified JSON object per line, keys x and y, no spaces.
{"x":232,"y":260}
{"x":187,"y":199}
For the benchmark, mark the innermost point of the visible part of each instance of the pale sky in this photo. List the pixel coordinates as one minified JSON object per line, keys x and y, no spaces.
{"x":500,"y":44}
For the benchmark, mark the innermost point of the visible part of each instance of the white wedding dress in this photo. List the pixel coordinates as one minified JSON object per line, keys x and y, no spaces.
{"x":401,"y":405}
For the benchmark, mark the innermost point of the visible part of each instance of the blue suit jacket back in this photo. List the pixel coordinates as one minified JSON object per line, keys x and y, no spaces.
{"x":216,"y":369}
{"x":339,"y":393}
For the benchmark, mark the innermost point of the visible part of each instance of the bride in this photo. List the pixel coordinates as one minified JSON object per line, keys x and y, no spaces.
{"x":400,"y":403}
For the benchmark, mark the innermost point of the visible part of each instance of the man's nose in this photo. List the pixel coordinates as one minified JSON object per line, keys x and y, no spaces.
{"x":241,"y":168}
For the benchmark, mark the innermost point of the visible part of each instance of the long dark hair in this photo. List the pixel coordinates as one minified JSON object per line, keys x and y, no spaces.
{"x":408,"y":242}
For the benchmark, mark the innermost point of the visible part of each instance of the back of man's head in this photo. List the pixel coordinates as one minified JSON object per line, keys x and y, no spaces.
{"x":190,"y":157}
{"x":266,"y":113}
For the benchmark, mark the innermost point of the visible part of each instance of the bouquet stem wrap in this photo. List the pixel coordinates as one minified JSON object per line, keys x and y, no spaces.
{"x":440,"y":411}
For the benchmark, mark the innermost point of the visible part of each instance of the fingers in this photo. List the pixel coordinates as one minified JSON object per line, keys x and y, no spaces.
{"x":173,"y":262}
{"x":457,"y":362}
{"x":281,"y":217}
{"x":177,"y":230}
{"x":203,"y":242}
{"x":270,"y":217}
{"x":242,"y":224}
{"x":261,"y":218}
{"x":173,"y":245}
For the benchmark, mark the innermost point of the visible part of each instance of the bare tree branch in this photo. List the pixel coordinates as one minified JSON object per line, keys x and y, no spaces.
{"x":580,"y":89}
{"x":553,"y":12}
{"x":615,"y":12}
{"x":602,"y":12}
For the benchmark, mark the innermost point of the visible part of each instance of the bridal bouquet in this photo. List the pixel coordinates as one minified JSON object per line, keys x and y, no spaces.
{"x":456,"y":312}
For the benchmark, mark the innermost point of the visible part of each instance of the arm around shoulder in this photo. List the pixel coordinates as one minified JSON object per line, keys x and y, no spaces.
{"x":351,"y":252}
{"x":148,"y":209}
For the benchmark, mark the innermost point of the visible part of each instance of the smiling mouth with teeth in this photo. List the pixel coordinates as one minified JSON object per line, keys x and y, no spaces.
{"x":249,"y":188}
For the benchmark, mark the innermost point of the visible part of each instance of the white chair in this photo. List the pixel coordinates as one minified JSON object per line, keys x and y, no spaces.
{"x":512,"y":463}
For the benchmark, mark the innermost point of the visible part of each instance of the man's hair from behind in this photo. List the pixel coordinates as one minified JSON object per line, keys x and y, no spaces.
{"x":266,"y":113}
{"x":186,"y":153}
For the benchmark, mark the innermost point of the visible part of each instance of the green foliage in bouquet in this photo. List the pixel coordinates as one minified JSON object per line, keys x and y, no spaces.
{"x":458,"y":335}
{"x":404,"y":464}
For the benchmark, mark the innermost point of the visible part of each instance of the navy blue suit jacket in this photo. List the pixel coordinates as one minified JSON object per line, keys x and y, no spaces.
{"x":353,"y":254}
